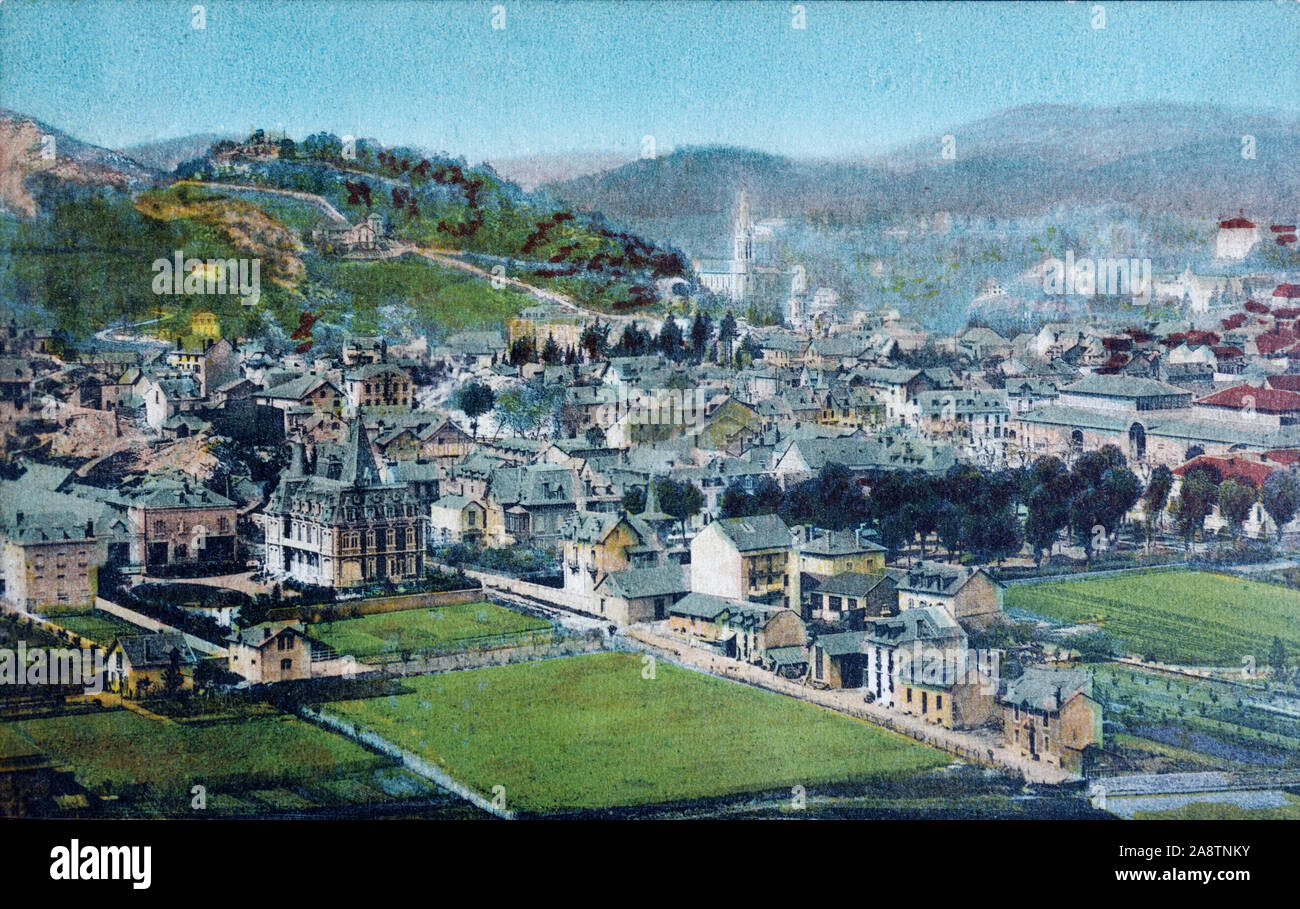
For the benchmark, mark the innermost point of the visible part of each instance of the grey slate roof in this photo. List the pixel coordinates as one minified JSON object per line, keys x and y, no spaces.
{"x":152,"y":651}
{"x":837,"y":543}
{"x":853,"y":584}
{"x":842,"y":643}
{"x":766,"y":531}
{"x":932,"y":625}
{"x":633,"y":583}
{"x":708,"y":607}
{"x":1046,"y":689}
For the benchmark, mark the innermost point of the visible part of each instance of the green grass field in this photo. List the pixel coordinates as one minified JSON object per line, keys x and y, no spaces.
{"x":255,"y":765}
{"x":422,"y":629}
{"x":1184,"y":617}
{"x":590,"y":732}
{"x":120,"y":748}
{"x":433,"y":297}
{"x":100,"y":627}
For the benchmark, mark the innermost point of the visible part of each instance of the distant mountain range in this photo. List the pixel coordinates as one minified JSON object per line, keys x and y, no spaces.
{"x":165,"y":154}
{"x":29,"y":147}
{"x":530,"y":171}
{"x":1025,"y":161}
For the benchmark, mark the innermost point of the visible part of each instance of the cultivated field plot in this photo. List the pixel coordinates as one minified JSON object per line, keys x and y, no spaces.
{"x":99,"y":627}
{"x":415,"y":630}
{"x":1183,"y":617}
{"x":1194,"y":724}
{"x":256,"y":765}
{"x":590,"y":732}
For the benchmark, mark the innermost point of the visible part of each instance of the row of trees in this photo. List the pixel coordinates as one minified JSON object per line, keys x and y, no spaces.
{"x":971,"y":511}
{"x":1203,"y":487}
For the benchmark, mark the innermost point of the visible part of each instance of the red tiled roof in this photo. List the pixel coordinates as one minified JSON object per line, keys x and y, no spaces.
{"x":1235,"y":224}
{"x":1117,"y":343}
{"x":1283,"y":228}
{"x":1236,"y":320}
{"x":1285,"y":456}
{"x":1197,"y":338}
{"x":1287,"y":312}
{"x":1285,"y":239}
{"x":1253,"y":472}
{"x":1252,"y":306}
{"x":1265,"y":400}
{"x":1285,"y":382}
{"x":1289,"y":291}
{"x":1116,"y":362}
{"x":1271,"y":342}
{"x":1138,"y":335}
{"x":1225,"y":352}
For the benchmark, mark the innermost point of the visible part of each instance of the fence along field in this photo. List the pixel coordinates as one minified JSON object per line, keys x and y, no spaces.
{"x":386,"y":636}
{"x":590,"y":732}
{"x":1195,"y":618}
{"x":247,"y":765}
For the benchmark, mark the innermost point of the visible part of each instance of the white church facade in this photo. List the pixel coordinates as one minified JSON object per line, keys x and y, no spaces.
{"x":749,"y":275}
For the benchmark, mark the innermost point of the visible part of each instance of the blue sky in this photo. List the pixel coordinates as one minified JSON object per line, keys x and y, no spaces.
{"x":563,"y":77}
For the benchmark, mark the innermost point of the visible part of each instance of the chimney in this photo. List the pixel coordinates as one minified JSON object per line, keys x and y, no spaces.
{"x":297,"y":467}
{"x":90,"y":528}
{"x":19,"y":518}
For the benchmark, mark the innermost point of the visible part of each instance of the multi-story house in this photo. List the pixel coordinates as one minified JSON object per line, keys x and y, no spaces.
{"x":379,"y":387}
{"x":1049,"y":715}
{"x":972,"y":597}
{"x":746,"y":559}
{"x":889,"y":643}
{"x":270,"y":652}
{"x":594,"y":544}
{"x":741,"y":629}
{"x":341,"y":524}
{"x":49,"y":558}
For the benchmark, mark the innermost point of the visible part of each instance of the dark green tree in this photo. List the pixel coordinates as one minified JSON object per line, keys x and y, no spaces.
{"x":475,"y":399}
{"x":1281,"y":498}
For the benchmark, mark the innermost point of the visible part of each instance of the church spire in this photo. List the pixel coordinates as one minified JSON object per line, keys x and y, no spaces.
{"x":742,"y":231}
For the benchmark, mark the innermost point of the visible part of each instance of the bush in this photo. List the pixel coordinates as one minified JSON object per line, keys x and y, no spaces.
{"x":1096,"y":647}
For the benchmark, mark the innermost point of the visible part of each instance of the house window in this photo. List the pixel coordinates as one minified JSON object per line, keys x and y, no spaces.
{"x":909,"y":695}
{"x":938,"y":702}
{"x":286,"y":665}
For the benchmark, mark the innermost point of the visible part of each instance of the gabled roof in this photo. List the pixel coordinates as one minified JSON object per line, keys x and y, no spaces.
{"x":633,"y":583}
{"x":296,"y":389}
{"x":595,"y":526}
{"x":262,"y":634}
{"x":854,"y":584}
{"x":1046,"y":689}
{"x":153,"y":651}
{"x":935,"y":577}
{"x":708,"y":607}
{"x":838,"y":542}
{"x":841,"y":643}
{"x":912,"y":625}
{"x":1121,"y":387}
{"x":765,"y":531}
{"x":1264,"y":400}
